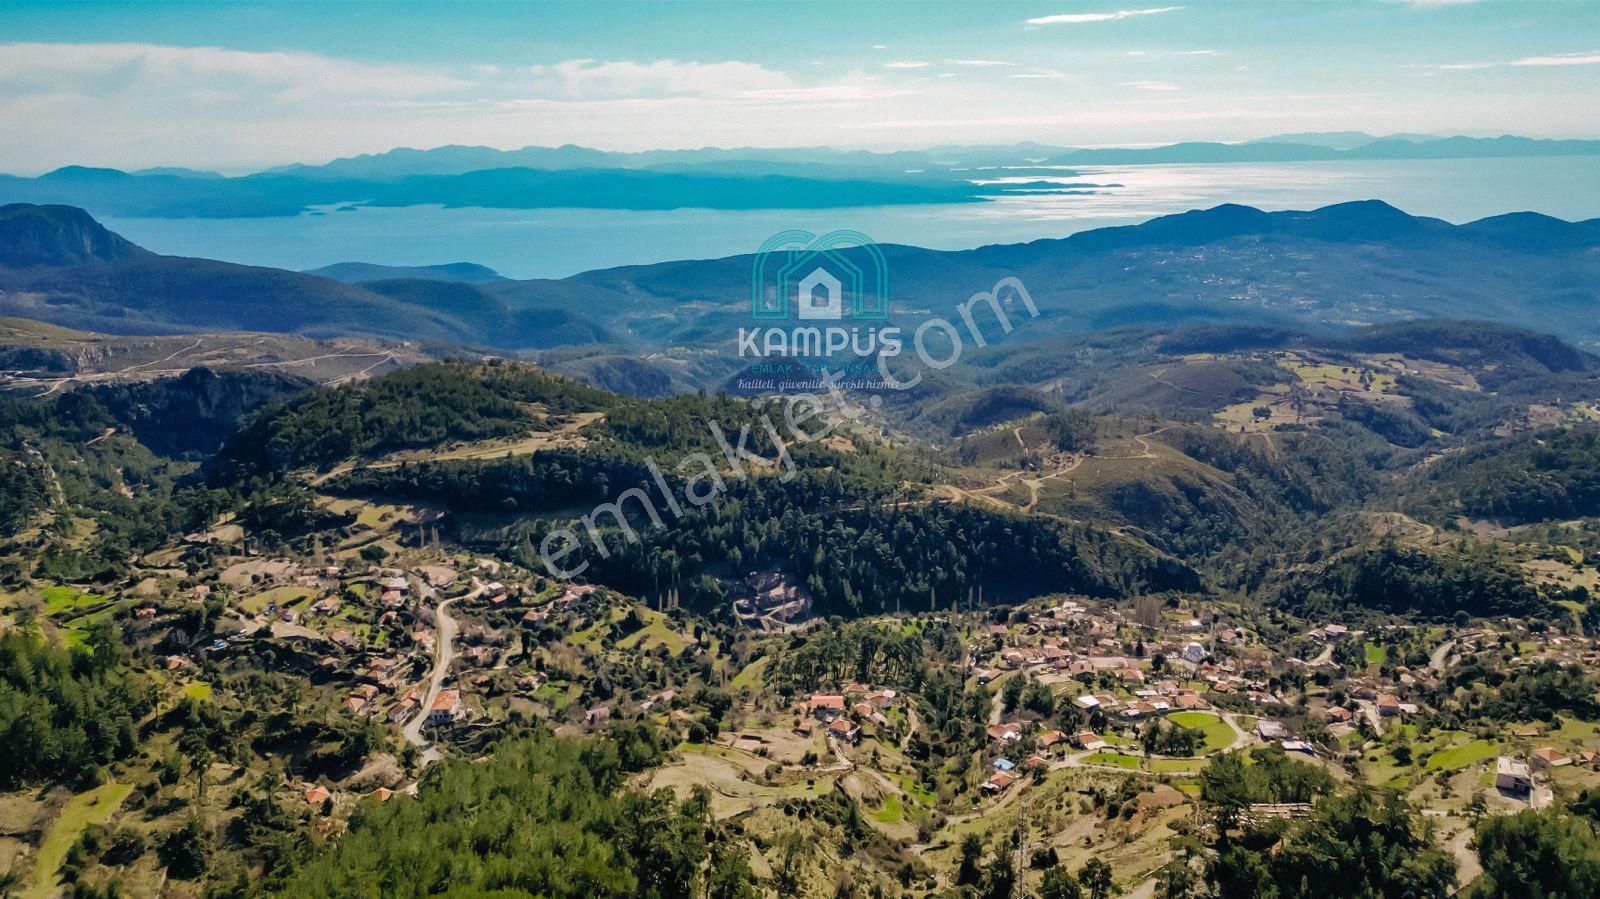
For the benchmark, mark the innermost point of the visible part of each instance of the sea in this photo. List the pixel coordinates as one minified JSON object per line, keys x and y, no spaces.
{"x":556,"y":243}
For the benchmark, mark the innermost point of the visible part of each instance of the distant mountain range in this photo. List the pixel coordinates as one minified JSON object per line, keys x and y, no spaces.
{"x":734,"y":179}
{"x":672,"y":325}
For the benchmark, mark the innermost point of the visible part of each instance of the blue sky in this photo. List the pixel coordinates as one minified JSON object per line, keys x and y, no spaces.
{"x":239,"y":86}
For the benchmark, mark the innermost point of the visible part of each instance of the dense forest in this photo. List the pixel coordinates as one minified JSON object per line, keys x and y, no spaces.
{"x":67,"y":713}
{"x":542,"y":817}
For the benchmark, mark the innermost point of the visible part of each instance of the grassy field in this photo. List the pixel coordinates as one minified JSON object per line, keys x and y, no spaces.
{"x":655,"y":633}
{"x":1176,"y":766}
{"x":753,"y":676}
{"x":1218,"y":734}
{"x":61,"y":600}
{"x":1113,"y":759}
{"x":94,"y":807}
{"x":1376,"y":655}
{"x":283,"y":596}
{"x":1463,"y":756}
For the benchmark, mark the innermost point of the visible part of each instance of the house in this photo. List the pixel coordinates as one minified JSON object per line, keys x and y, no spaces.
{"x":827,"y":706}
{"x":317,"y":795}
{"x":600,"y":714}
{"x":1194,"y":653}
{"x":1004,"y":733}
{"x":381,"y":794}
{"x":1089,"y":740}
{"x":1549,"y":757}
{"x":1271,"y":730}
{"x":1388,"y":705}
{"x":402,"y":710}
{"x":844,"y":729}
{"x":998,"y":783}
{"x":144,"y":613}
{"x":1050,"y":738}
{"x":679,"y":716}
{"x":1337,"y":715}
{"x":1036,"y":763}
{"x":1299,"y":746}
{"x":1333,"y":633}
{"x":446,"y":708}
{"x":1512,"y":776}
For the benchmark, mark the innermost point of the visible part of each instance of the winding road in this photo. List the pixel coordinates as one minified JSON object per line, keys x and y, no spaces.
{"x":444,"y":653}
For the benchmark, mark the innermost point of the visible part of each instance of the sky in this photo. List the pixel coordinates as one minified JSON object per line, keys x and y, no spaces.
{"x":240,"y":86}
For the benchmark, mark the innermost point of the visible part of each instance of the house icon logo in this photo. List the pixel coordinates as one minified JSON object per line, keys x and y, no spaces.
{"x":800,"y":275}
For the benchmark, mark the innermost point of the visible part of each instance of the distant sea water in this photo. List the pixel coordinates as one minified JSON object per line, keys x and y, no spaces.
{"x":555,"y":243}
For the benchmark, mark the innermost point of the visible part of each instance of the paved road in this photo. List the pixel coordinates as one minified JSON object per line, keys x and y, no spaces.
{"x":444,"y":652}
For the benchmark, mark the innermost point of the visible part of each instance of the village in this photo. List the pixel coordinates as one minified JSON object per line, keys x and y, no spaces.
{"x":439,"y":649}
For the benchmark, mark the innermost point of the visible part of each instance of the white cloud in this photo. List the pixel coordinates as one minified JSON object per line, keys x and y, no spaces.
{"x":1199,"y":53}
{"x":1082,"y":18}
{"x":149,"y":70}
{"x":1042,"y":75}
{"x":1437,"y":4}
{"x":1561,"y":59}
{"x":588,"y":79}
{"x":980,"y":63}
{"x":906,"y":64}
{"x":1587,"y":58}
{"x":1151,"y":85}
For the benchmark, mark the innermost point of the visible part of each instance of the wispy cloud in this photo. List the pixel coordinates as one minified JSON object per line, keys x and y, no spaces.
{"x":589,"y":79}
{"x":1151,"y":85}
{"x":981,"y":63}
{"x":150,"y":70}
{"x":1589,"y":58}
{"x":1041,"y":75}
{"x":1585,"y":58}
{"x":906,"y":64}
{"x":1082,"y":18}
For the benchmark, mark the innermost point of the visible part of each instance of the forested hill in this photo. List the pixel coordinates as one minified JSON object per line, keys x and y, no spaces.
{"x":570,"y":447}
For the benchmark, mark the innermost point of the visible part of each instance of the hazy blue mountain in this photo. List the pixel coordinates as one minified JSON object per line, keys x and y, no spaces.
{"x":1362,"y":262}
{"x":112,"y":192}
{"x":360,"y":272}
{"x":709,"y":178}
{"x":1400,"y":147}
{"x":58,"y":235}
{"x":178,"y":172}
{"x":1339,"y":140}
